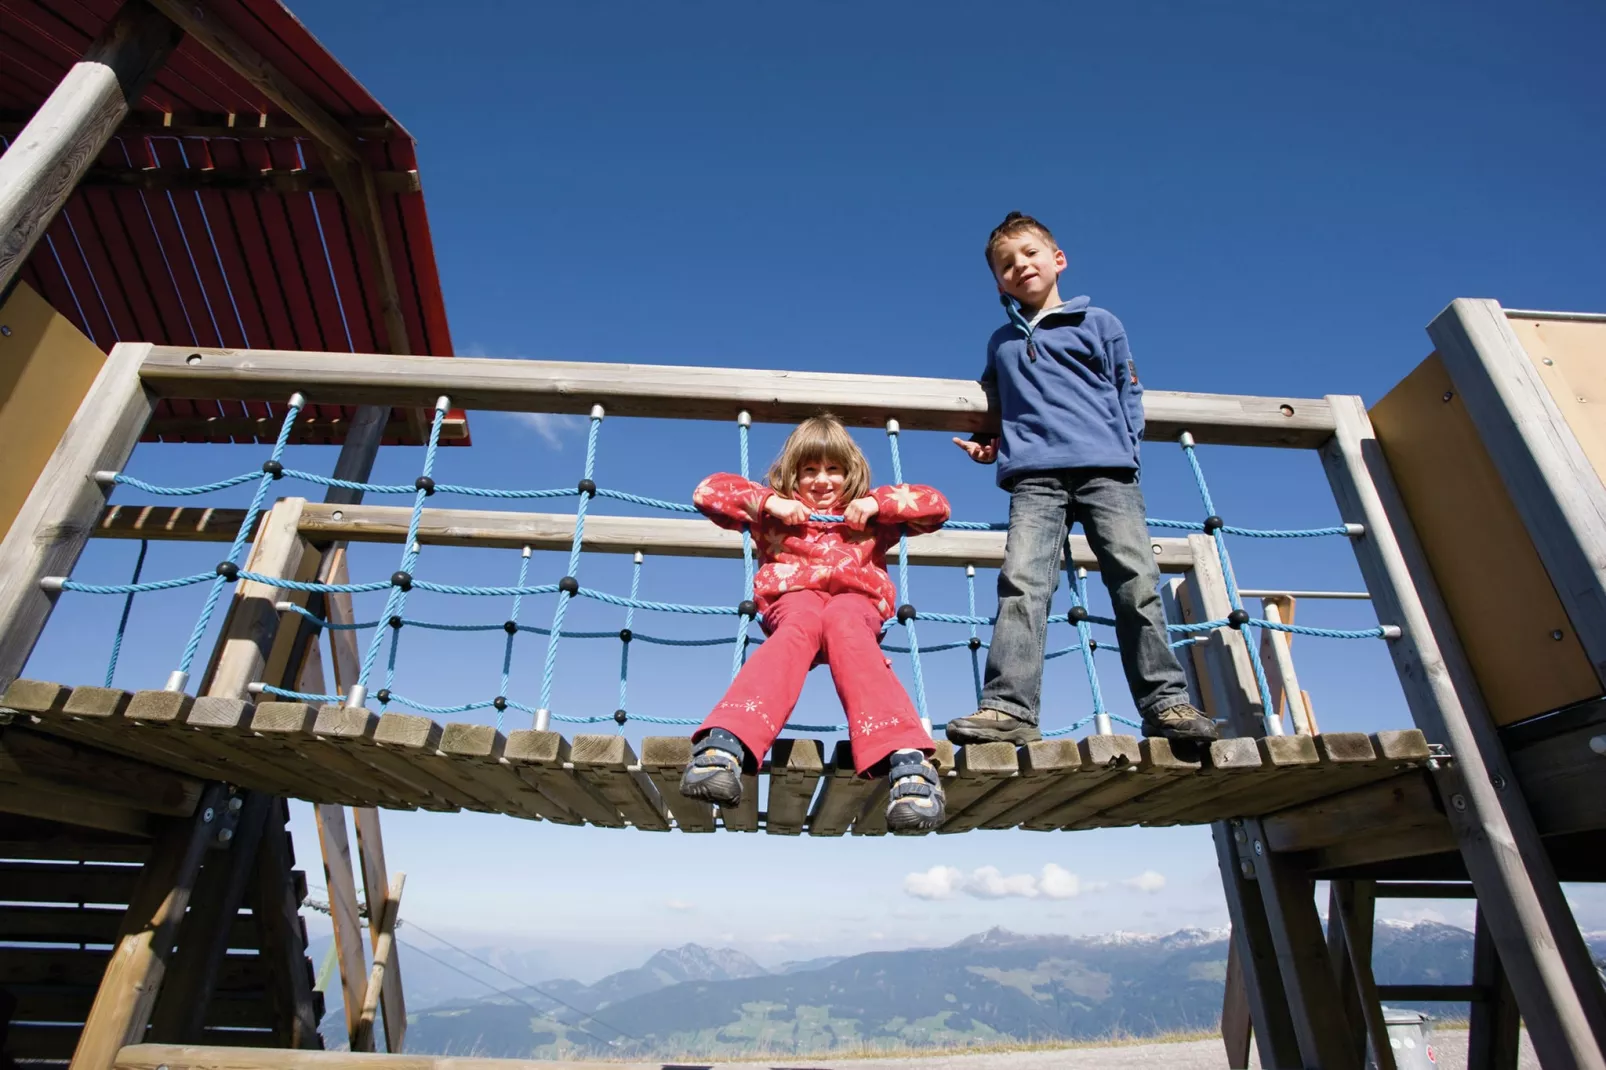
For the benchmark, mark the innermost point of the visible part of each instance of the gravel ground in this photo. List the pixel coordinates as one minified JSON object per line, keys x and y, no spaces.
{"x":1450,"y":1046}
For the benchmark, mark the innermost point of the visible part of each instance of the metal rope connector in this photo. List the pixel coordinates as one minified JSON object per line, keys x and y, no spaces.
{"x":177,"y":681}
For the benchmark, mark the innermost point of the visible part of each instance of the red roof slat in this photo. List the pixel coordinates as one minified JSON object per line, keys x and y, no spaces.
{"x":95,"y":321}
{"x":343,"y":265}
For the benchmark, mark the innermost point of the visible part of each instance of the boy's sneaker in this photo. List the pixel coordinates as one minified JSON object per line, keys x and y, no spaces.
{"x":714,"y":775}
{"x":915,"y":802}
{"x":1181,"y":723}
{"x":992,"y":726}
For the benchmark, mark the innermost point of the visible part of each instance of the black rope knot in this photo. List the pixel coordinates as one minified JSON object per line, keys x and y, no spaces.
{"x":1213,"y":524}
{"x":588,"y":487}
{"x":396,"y":621}
{"x":500,"y":703}
{"x":274,"y":469}
{"x":620,"y":717}
{"x":383,"y":695}
{"x":1237,"y":619}
{"x":625,"y":635}
{"x":569,"y":586}
{"x":906,"y":613}
{"x":228,"y":570}
{"x":403,"y":579}
{"x":425,"y":484}
{"x":974,"y":644}
{"x":1077,"y":614}
{"x":747,"y":608}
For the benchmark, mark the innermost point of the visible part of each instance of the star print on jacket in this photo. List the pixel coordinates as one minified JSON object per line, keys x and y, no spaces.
{"x":816,"y":555}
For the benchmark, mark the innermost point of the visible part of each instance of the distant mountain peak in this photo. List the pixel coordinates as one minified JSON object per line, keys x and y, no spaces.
{"x":694,"y":962}
{"x":997,"y":936}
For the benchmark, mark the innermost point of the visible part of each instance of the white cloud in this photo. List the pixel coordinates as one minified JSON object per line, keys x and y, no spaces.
{"x":680,"y":905}
{"x":938,"y":882}
{"x":988,"y":882}
{"x":1148,"y":881}
{"x":552,"y":428}
{"x":1059,"y":883}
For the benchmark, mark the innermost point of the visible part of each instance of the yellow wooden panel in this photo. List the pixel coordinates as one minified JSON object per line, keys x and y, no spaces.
{"x":1571,"y":358}
{"x":46,"y":368}
{"x":1499,"y":595}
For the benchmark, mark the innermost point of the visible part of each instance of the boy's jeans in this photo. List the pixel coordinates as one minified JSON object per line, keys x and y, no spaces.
{"x":1109,"y":504}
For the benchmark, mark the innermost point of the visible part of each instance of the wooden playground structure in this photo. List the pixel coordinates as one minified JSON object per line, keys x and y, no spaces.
{"x":149,"y":905}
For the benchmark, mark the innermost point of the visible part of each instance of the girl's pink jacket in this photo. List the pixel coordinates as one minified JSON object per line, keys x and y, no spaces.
{"x":816,"y":555}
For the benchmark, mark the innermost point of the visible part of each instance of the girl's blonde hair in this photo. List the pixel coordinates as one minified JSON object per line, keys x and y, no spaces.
{"x":821,"y":438}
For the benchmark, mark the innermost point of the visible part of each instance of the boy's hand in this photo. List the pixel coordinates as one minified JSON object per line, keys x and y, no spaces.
{"x":860,"y":512}
{"x":979,"y":453}
{"x":786,"y":510}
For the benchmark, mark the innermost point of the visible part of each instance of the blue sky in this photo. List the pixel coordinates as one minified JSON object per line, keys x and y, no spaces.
{"x":1276,"y":198}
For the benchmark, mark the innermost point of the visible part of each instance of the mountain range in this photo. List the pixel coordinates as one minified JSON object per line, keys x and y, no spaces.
{"x":992,"y":987}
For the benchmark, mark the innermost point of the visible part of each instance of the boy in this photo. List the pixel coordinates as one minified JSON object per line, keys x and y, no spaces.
{"x":1062,"y":379}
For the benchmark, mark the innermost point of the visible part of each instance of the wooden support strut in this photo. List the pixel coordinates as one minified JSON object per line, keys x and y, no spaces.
{"x":46,"y":160}
{"x":1562,"y":1000}
{"x":384,"y":927}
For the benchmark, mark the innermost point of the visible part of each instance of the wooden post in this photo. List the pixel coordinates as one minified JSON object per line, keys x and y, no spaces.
{"x":1289,"y":897}
{"x":344,"y":914}
{"x":1493,"y":1039}
{"x":1231,"y":677}
{"x":1539,"y":943}
{"x":65,"y":136}
{"x":53,"y":524}
{"x":252,"y":626}
{"x":1554,"y":487}
{"x":383,"y":925}
{"x":376,"y":888}
{"x":203,"y":938}
{"x":1275,"y":1039}
{"x":122,"y":1006}
{"x":1278,"y":659}
{"x":1352,"y":910}
{"x":1236,"y":1025}
{"x":277,"y":906}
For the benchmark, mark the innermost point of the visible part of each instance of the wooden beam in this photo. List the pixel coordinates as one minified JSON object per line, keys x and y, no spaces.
{"x":1230,"y":677}
{"x":54,"y":523}
{"x":253,"y":623}
{"x":69,"y":808}
{"x":555,"y":531}
{"x":63,"y":138}
{"x":1274,"y":1035}
{"x":1554,"y":487}
{"x":122,"y":1006}
{"x":1396,"y":806}
{"x":1278,"y":659}
{"x":1353,"y":910}
{"x":275,"y":900}
{"x":1562,"y":1000}
{"x":34,"y":760}
{"x":1236,"y":1025}
{"x":377,"y":891}
{"x":687,"y":393}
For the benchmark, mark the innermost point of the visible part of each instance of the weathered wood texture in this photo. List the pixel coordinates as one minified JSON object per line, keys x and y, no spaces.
{"x":346,"y":914}
{"x":376,"y":886}
{"x":383,"y":925}
{"x":1495,"y":1026}
{"x":52,"y":526}
{"x":1226,"y":675}
{"x":1564,"y":1006}
{"x":1274,"y":1036}
{"x":1557,"y":491}
{"x":44,"y":162}
{"x":687,"y":393}
{"x":340,"y":756}
{"x":555,"y":531}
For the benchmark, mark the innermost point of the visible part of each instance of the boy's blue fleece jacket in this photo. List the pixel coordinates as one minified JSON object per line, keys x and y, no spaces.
{"x":1067,"y":392}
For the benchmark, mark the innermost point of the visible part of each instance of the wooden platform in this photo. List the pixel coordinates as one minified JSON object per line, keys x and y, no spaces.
{"x":400,"y":761}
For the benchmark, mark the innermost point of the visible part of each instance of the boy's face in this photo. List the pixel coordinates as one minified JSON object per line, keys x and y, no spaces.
{"x":1027,"y":267}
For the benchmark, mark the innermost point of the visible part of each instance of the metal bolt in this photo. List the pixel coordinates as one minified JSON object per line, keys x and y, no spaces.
{"x":193,"y":358}
{"x":235,"y":804}
{"x":1598,"y":745}
{"x":1498,"y":781}
{"x":1247,"y":868}
{"x":1240,"y":835}
{"x":225,"y":835}
{"x":1548,"y":362}
{"x":1448,"y":394}
{"x":338,"y":514}
{"x":1582,"y":400}
{"x":1157,"y":548}
{"x":1260,"y":848}
{"x":207,"y":814}
{"x":1286,"y":410}
{"x":1459,"y":802}
{"x":1557,"y":635}
{"x":4,"y":330}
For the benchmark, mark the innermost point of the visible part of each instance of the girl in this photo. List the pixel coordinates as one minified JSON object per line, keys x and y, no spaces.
{"x":824,"y":593}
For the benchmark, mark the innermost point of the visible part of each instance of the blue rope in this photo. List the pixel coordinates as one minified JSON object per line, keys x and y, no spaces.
{"x":574,"y":568}
{"x":139,"y":588}
{"x":624,"y":647}
{"x":975,"y":647}
{"x":903,"y":583}
{"x":176,"y":492}
{"x":247,"y":528}
{"x":396,"y":601}
{"x":739,"y":651}
{"x":507,"y":652}
{"x":128,"y":607}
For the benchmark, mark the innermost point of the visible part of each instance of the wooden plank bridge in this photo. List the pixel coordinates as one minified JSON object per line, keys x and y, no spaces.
{"x":353,"y":757}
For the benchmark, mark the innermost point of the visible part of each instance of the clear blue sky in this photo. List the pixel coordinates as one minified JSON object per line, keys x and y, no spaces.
{"x":1276,"y":198}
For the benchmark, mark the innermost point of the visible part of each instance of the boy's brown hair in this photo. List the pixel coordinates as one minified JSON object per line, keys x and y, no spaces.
{"x":1015,"y":223}
{"x":821,"y":438}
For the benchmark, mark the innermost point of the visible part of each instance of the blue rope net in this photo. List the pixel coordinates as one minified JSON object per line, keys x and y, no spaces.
{"x":394,"y":620}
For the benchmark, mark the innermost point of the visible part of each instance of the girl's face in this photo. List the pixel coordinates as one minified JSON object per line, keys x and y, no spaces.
{"x":819,"y":485}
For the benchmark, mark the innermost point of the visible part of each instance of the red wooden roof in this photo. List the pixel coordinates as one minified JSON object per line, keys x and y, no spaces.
{"x":210,"y":220}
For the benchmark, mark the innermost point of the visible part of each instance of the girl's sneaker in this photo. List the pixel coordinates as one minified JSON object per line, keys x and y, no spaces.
{"x":915,"y":801}
{"x":714,"y":775}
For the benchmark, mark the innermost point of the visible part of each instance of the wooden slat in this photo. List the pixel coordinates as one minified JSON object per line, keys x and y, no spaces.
{"x":1176,"y":801}
{"x":68,"y":1004}
{"x":223,"y":726}
{"x":687,"y":393}
{"x":664,"y":759}
{"x":796,"y":766}
{"x":539,"y":757}
{"x":478,"y":750}
{"x":352,"y":728}
{"x":417,"y":741}
{"x":842,"y":795}
{"x":73,"y":924}
{"x":287,"y":727}
{"x":604,"y":763}
{"x":979,"y":769}
{"x":1100,"y":760}
{"x":1040,"y":763}
{"x":275,"y":901}
{"x":35,"y":800}
{"x":1157,"y":765}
